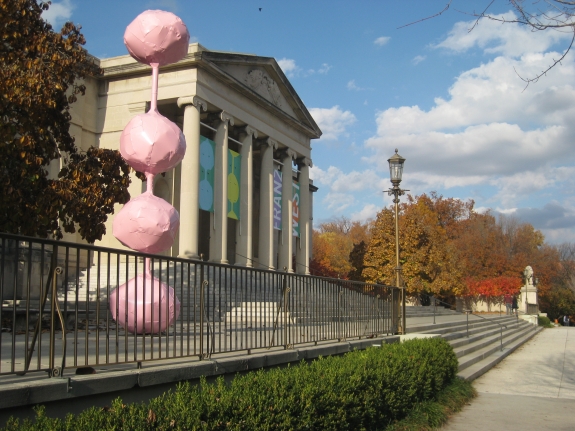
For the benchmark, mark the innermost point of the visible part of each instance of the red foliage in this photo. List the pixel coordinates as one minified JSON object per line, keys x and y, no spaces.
{"x":493,"y":287}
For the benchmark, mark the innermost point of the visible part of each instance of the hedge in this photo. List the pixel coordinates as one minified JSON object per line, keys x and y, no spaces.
{"x":362,"y":390}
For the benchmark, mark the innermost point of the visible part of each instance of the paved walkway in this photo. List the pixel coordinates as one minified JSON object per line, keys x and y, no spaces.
{"x":532,"y":389}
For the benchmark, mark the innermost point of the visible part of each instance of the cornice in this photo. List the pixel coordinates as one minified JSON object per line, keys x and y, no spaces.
{"x":205,"y":60}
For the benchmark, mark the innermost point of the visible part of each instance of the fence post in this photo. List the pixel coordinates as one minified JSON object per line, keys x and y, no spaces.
{"x":339,"y":337}
{"x":285,"y":305}
{"x":201,"y":310}
{"x":54,"y":372}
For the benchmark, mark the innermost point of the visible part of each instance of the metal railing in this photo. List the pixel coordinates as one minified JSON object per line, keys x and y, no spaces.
{"x":56,"y":312}
{"x":467,"y":313}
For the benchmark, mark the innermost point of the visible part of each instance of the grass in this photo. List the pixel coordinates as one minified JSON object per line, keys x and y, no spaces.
{"x":431,"y":415}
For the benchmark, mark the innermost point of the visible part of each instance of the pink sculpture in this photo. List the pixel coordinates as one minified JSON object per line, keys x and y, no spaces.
{"x":156,"y":36}
{"x":147,"y":223}
{"x":152,"y":144}
{"x":144,"y":305}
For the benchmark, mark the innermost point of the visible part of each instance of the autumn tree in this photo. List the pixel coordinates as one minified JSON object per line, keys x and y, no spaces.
{"x":333,"y":242}
{"x":481,"y":247}
{"x":357,"y":261}
{"x":42,"y":73}
{"x":566,"y":269}
{"x":429,"y":261}
{"x":492,"y":290}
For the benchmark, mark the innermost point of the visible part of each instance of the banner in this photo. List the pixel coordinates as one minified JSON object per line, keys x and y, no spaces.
{"x":234,"y":166}
{"x":277,"y":200}
{"x":207,"y":162}
{"x":295,"y":208}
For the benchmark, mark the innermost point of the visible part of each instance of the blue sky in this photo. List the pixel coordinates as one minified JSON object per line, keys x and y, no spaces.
{"x":451,"y":100}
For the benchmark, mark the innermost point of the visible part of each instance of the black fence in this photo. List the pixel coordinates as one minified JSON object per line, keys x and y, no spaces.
{"x":62,"y":308}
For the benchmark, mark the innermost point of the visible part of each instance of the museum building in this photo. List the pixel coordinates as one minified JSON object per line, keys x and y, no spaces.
{"x":243,"y":190}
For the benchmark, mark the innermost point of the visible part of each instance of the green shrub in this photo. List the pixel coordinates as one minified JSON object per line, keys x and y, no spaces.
{"x":361,"y":390}
{"x":544,"y":321}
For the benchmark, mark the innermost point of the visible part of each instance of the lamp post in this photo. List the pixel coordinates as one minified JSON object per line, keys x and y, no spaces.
{"x":395,"y":172}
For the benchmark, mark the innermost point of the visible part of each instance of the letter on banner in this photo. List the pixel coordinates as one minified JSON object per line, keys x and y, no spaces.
{"x":234,"y":164}
{"x":277,"y":200}
{"x":295,"y":207}
{"x":207,"y":162}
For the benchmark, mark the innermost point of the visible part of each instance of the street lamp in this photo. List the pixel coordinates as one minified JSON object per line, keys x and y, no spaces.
{"x":395,"y":172}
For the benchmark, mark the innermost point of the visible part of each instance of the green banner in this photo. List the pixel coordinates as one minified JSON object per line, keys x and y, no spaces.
{"x":207,"y":162}
{"x":234,"y":168}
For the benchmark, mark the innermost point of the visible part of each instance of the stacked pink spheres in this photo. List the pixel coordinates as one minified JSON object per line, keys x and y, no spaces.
{"x":151,"y":144}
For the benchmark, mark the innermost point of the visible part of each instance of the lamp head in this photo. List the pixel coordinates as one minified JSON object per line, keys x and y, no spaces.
{"x":395,"y":168}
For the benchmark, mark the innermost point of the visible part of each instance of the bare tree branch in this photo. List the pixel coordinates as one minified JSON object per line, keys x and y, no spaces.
{"x":481,"y":15}
{"x":538,"y":15}
{"x":555,"y":63}
{"x":429,"y":17}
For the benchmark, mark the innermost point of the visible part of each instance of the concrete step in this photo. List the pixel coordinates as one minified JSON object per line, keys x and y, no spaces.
{"x":460,"y":339}
{"x":454,"y":325}
{"x":474,"y":355}
{"x":488,"y":338}
{"x":477,"y":369}
{"x":478,"y":343}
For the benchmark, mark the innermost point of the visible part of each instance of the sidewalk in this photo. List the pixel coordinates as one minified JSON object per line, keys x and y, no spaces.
{"x":532,"y":389}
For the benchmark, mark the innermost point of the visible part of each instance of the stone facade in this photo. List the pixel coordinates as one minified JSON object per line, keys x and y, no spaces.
{"x":243,"y":103}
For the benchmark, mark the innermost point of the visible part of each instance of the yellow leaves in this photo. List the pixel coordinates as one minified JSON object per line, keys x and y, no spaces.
{"x":428,"y":261}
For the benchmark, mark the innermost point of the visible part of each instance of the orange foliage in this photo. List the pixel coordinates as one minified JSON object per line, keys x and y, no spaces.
{"x":447,"y":248}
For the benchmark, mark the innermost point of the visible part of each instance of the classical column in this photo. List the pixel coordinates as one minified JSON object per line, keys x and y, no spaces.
{"x":266,"y":227}
{"x":285,"y":252}
{"x":303,"y":248}
{"x":190,"y":178}
{"x":219,"y":233}
{"x":244,"y":234}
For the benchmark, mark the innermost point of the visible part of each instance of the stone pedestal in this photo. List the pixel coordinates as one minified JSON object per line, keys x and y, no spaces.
{"x":527,"y":299}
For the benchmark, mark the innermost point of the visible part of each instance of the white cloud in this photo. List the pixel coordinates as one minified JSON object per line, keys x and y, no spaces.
{"x":291,"y":69}
{"x":58,"y":13}
{"x":352,"y":86}
{"x":288,"y":66}
{"x":495,"y":37}
{"x":337,"y":202}
{"x":342,"y":189}
{"x":554,"y":219}
{"x":332,"y":121}
{"x":488,"y":126}
{"x":380,"y":41}
{"x":340,"y":182}
{"x":368,"y":212}
{"x":490,"y":138}
{"x":324,"y":69}
{"x":418,"y":59}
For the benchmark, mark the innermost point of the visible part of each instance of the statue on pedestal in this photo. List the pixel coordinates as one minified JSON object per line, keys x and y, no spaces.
{"x":528,"y":297}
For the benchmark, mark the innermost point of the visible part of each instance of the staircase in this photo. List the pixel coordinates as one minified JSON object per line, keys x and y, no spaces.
{"x":481,"y":344}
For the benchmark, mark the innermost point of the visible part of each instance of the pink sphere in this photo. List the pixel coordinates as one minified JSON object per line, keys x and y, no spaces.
{"x":147,"y":224}
{"x":151,"y":143}
{"x":144,"y":305}
{"x":156,"y":36}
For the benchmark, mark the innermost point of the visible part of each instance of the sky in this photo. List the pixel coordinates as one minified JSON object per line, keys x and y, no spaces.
{"x":447,"y":92}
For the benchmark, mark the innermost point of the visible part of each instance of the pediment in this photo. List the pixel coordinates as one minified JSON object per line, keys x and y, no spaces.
{"x":263,"y":77}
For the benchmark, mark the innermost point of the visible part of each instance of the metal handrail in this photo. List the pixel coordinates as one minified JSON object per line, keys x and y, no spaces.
{"x":467,"y":312}
{"x":223,"y":308}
